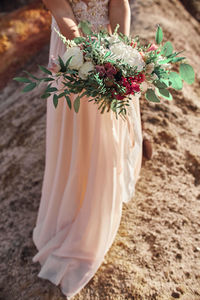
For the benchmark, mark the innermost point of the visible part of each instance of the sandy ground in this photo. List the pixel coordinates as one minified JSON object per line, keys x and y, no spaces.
{"x":23,"y":33}
{"x":156,"y":253}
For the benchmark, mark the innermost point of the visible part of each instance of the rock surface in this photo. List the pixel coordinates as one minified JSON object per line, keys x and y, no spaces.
{"x":156,"y":253}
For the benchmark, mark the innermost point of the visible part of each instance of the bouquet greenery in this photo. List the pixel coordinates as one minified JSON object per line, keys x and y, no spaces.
{"x":110,"y":68}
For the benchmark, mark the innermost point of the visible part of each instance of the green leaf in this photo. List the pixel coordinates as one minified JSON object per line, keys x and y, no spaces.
{"x":68,"y":101}
{"x":46,"y":95}
{"x":167,"y":49}
{"x":187,"y":73}
{"x":55,"y":100}
{"x":62,"y":65}
{"x":86,"y":27}
{"x":61,"y":95}
{"x":45,"y":70}
{"x":78,"y":40}
{"x":77,"y":104}
{"x":113,"y":105}
{"x":48,"y":79}
{"x":151,"y":96}
{"x":32,"y":76}
{"x":22,"y":79}
{"x":164,"y":93}
{"x":165,"y":61}
{"x":176,"y":81}
{"x":29,"y":87}
{"x":159,"y":84}
{"x":107,"y":54}
{"x":159,"y":35}
{"x":177,"y":59}
{"x":51,"y":90}
{"x":166,"y":81}
{"x":68,"y":61}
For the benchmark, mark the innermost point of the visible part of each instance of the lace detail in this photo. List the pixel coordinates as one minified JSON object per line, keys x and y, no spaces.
{"x":96,"y":12}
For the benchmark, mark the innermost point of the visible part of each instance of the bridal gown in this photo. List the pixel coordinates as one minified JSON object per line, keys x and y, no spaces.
{"x":92,"y":164}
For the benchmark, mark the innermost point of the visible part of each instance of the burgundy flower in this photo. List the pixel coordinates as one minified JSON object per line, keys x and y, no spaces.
{"x":124,"y":81}
{"x":108,"y":65}
{"x":111,"y":71}
{"x":138,"y":78}
{"x":135,"y":88}
{"x":117,"y":96}
{"x":101,"y":70}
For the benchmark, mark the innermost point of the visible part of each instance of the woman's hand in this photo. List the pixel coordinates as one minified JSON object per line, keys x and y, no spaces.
{"x":120,"y":13}
{"x":63,"y":14}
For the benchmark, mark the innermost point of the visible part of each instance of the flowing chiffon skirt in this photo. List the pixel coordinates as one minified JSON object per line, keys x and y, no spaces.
{"x":92,"y":164}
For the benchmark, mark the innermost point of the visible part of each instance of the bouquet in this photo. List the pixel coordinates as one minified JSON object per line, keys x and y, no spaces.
{"x":110,"y":68}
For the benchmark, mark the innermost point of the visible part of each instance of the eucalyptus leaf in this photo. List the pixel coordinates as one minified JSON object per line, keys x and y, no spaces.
{"x":159,"y":84}
{"x":167,"y":49}
{"x":164,"y":93}
{"x":151,"y":96}
{"x":166,"y":81}
{"x":176,"y":81}
{"x":159,"y":35}
{"x":187,"y":73}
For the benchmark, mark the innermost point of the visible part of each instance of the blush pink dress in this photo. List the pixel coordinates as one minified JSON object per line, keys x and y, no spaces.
{"x":91,"y":167}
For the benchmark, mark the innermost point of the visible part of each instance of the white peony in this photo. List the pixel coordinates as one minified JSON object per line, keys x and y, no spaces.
{"x":128,"y":54}
{"x":77,"y":59}
{"x":85,"y":69}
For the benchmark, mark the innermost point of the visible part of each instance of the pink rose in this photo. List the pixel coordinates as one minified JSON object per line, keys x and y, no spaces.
{"x":153,"y":47}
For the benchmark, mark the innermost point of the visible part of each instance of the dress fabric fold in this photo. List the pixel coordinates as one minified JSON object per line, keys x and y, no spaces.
{"x":92,"y":164}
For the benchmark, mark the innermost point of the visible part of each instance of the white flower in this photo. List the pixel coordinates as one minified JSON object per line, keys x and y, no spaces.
{"x":77,"y":59}
{"x":128,"y":54}
{"x":150,"y":68}
{"x":85,"y":69}
{"x":113,"y":39}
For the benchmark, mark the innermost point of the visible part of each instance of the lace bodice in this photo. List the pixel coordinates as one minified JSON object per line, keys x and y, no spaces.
{"x":96,"y":12}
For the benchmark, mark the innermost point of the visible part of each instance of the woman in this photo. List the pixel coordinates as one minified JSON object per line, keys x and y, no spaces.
{"x":92,"y":164}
